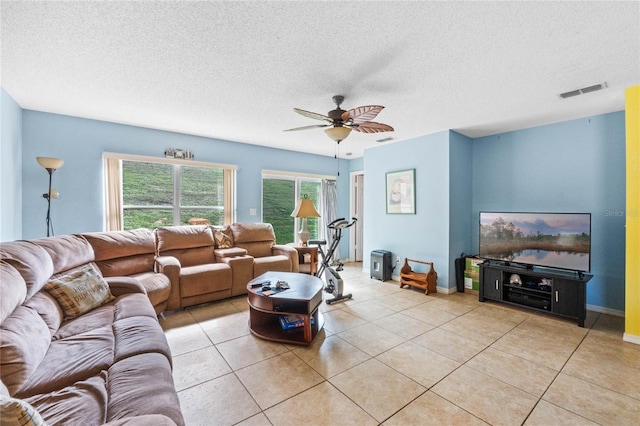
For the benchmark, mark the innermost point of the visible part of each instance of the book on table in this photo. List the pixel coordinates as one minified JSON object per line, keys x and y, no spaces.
{"x":292,"y":321}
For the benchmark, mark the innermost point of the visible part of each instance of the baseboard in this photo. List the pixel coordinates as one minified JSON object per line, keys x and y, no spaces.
{"x":603,"y":310}
{"x":446,"y":290}
{"x":631,"y":338}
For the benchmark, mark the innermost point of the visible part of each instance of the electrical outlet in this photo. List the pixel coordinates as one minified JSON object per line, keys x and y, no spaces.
{"x":398,"y":259}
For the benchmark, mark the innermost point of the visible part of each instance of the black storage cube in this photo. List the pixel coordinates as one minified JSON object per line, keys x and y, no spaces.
{"x":380,"y":265}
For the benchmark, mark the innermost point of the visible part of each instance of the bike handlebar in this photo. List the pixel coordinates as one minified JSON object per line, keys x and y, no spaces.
{"x":342,"y":223}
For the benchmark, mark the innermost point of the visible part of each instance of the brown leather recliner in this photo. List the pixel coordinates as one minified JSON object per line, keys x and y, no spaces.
{"x":259,"y":240}
{"x":133,"y":253}
{"x":199,"y":277}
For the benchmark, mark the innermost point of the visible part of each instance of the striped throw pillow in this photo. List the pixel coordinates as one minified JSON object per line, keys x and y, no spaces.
{"x":79,"y":292}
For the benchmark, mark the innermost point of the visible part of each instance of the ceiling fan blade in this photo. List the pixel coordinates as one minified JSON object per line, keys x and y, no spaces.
{"x":372,"y":127}
{"x":362,"y":113}
{"x":313,"y":115}
{"x":307,"y":127}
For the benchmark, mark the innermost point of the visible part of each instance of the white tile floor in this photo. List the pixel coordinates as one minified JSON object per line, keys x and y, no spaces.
{"x":398,"y":357}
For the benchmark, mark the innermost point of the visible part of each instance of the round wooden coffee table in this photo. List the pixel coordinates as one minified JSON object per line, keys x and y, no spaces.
{"x":302,"y":299}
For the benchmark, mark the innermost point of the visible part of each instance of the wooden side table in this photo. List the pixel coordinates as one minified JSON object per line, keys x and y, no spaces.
{"x":310,"y":265}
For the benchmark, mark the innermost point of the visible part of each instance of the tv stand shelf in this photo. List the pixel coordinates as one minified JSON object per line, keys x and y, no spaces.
{"x":558,"y":292}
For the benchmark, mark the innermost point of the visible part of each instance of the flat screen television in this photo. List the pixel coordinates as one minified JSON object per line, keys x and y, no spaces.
{"x":552,"y":240}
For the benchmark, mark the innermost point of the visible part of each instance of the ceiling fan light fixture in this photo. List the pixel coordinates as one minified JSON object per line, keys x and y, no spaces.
{"x":338,"y":133}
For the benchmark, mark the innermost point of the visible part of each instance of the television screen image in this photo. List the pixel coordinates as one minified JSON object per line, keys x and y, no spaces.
{"x":553,"y":240}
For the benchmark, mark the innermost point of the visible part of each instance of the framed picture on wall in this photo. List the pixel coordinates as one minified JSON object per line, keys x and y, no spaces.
{"x":401,"y":192}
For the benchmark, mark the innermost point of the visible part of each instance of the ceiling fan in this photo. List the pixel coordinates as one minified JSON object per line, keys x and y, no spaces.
{"x":342,"y":122}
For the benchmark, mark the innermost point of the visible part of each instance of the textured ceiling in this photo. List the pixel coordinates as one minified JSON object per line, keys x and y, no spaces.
{"x":235,"y":70}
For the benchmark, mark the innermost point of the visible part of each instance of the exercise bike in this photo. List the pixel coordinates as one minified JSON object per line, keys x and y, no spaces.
{"x":331,"y":276}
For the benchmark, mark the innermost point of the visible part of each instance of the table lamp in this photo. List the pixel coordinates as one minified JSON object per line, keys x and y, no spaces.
{"x":303,"y":210}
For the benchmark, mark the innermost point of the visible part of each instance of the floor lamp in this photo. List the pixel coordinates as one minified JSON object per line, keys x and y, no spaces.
{"x":303,"y":210}
{"x":51,"y":165}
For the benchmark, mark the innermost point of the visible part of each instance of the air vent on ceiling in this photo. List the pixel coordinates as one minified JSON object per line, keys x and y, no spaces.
{"x":583,"y":90}
{"x":384,"y":140}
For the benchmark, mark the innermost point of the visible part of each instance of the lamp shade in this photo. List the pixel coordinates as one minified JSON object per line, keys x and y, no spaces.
{"x":50,"y":162}
{"x":305,"y":208}
{"x":338,"y":133}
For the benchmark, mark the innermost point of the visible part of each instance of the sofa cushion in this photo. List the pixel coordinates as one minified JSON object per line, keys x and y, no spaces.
{"x":183,"y":237}
{"x":80,"y":291}
{"x":83,"y":403}
{"x":32,"y":262}
{"x":133,"y":305}
{"x":250,"y":232}
{"x":278,"y":263}
{"x":24,"y":341}
{"x":256,"y":238}
{"x":67,"y":251}
{"x":127,"y":306}
{"x":12,"y":288}
{"x":121,"y":253}
{"x":203,"y":279}
{"x":75,"y":358}
{"x":143,"y":420}
{"x":257,"y":248}
{"x":96,"y":318}
{"x":127,"y":332}
{"x":16,"y":412}
{"x":140,"y":385}
{"x":48,"y":309}
{"x":157,"y":286}
{"x":191,"y":245}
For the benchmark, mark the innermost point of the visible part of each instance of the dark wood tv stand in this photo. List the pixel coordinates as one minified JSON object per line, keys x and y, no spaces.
{"x":566,"y":295}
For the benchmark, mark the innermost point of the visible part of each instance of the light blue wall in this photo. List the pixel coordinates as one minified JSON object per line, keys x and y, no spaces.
{"x":10,"y":168}
{"x":460,"y":198}
{"x":81,"y":142}
{"x":356,"y":165}
{"x":425,"y":235}
{"x":573,"y":166}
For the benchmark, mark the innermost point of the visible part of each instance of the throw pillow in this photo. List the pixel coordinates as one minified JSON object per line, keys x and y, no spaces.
{"x":16,"y":412}
{"x":79,"y":292}
{"x":223,"y":240}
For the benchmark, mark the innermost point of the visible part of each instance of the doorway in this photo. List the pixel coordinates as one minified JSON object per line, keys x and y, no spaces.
{"x":356,"y":245}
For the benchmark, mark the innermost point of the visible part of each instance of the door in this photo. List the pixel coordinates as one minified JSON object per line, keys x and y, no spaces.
{"x":490,"y":284}
{"x":565,"y":298}
{"x":357,"y":206}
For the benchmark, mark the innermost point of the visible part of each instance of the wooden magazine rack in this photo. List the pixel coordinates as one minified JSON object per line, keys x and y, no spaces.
{"x":424,"y":281}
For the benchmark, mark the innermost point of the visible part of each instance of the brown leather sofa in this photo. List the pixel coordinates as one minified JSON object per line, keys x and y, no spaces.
{"x":111,"y":364}
{"x":209,"y":271}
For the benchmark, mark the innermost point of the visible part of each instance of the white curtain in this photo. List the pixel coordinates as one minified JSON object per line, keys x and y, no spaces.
{"x":229,"y":194}
{"x":329,"y":211}
{"x":113,"y":194}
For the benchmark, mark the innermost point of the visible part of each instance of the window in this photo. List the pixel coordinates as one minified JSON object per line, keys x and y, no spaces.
{"x":149,"y":192}
{"x":280,"y":194}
